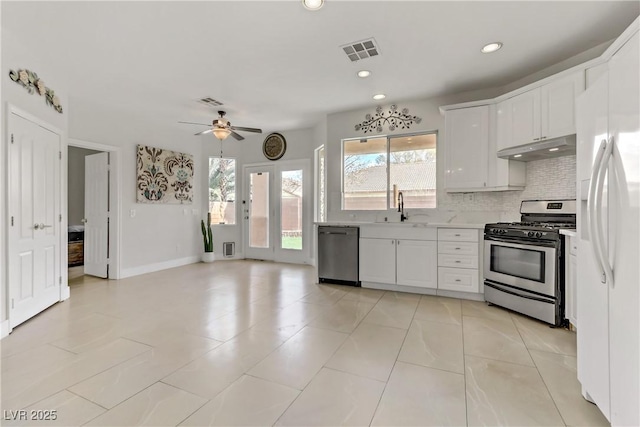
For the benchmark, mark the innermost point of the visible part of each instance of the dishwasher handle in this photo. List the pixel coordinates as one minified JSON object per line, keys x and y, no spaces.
{"x":344,"y":233}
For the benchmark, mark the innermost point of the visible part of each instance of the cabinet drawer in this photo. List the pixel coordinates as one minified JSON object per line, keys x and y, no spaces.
{"x":458,"y":261}
{"x":457,"y":279}
{"x":458,"y":248}
{"x":458,"y":234}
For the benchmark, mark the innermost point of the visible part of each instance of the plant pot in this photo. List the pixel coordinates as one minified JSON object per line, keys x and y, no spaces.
{"x":208,"y":257}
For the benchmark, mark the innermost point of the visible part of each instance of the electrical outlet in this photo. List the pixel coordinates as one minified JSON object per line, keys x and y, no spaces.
{"x":132,"y":213}
{"x":469,"y":197}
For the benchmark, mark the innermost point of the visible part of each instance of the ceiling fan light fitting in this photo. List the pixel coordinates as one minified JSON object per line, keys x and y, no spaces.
{"x":221,"y":133}
{"x":312,"y":4}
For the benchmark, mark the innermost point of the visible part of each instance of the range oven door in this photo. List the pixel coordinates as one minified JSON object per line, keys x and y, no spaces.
{"x":529,"y":266}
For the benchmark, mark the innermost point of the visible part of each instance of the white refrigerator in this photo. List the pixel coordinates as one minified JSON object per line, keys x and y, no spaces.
{"x":608,"y":191}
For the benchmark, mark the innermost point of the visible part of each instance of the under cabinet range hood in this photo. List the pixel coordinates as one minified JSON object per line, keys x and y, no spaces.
{"x":557,"y":147}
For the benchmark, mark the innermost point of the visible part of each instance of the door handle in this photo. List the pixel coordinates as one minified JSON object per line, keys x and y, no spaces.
{"x":84,"y":220}
{"x":42,"y":226}
{"x":603,"y":251}
{"x":592,"y":211}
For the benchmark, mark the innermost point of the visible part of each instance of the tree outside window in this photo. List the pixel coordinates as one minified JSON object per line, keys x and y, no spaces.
{"x":222,"y":190}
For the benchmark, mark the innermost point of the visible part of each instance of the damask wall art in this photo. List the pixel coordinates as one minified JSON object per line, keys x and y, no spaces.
{"x":164,"y":176}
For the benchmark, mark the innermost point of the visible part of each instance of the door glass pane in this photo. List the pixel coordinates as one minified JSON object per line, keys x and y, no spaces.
{"x":412,"y":171}
{"x":524,"y":263}
{"x":291,"y":210}
{"x":364,"y":166}
{"x":259,"y":210}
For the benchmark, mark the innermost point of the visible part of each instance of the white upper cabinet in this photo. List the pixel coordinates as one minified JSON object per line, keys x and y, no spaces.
{"x":466,"y":152}
{"x":470,"y":153}
{"x":542,"y":113}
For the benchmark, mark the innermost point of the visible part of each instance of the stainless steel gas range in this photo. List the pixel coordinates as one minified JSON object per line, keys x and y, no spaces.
{"x":524,"y":261}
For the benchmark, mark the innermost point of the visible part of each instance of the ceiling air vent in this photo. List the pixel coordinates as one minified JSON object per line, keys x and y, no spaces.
{"x":361,"y":50}
{"x":210,"y":101}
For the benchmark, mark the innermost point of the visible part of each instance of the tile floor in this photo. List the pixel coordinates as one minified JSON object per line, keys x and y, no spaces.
{"x":258,"y":343}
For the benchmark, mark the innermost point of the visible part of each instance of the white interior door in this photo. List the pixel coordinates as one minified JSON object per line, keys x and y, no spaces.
{"x":34,"y":211}
{"x":258,"y":212}
{"x":96,"y":215}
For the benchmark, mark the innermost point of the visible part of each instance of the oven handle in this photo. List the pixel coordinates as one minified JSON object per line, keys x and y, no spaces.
{"x":592,"y":208}
{"x":524,"y":245}
{"x":506,"y":291}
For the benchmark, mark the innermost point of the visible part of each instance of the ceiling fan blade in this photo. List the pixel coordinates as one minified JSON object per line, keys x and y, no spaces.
{"x":243,"y":129}
{"x":237,"y":136}
{"x":204,"y":131}
{"x":191,"y":123}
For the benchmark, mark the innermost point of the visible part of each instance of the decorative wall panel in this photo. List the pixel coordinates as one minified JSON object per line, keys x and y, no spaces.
{"x":164,"y":176}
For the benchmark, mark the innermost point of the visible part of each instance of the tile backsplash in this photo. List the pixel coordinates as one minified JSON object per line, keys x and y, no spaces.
{"x":546,"y":179}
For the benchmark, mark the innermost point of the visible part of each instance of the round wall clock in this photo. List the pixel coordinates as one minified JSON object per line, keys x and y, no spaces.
{"x":274,"y":146}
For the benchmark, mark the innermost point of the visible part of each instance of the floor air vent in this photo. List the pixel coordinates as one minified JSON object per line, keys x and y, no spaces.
{"x":229,"y":249}
{"x":361,"y":50}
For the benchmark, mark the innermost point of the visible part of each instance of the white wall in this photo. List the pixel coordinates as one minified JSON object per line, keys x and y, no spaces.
{"x":486,"y":206}
{"x":14,"y":55}
{"x":159,"y":235}
{"x":342,"y":125}
{"x":75,"y":183}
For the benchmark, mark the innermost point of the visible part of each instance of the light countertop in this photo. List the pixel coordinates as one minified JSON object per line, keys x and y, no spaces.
{"x":571,"y":232}
{"x":401,"y":224}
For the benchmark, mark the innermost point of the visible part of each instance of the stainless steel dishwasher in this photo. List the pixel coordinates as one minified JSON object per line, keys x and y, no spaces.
{"x":338,"y":255}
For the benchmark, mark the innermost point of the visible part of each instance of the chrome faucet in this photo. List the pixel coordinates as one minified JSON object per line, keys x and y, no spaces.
{"x":401,"y":207}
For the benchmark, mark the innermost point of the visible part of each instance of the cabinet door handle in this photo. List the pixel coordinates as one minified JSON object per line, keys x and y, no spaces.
{"x":536,"y":139}
{"x":457,"y":280}
{"x":457,"y":249}
{"x":457,"y":235}
{"x":393,"y":242}
{"x":457,"y":262}
{"x":543,"y":137}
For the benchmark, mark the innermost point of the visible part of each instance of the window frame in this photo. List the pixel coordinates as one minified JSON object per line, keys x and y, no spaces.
{"x":388,"y":137}
{"x":235,"y":186}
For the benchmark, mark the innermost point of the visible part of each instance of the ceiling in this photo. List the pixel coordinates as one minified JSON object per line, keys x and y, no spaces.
{"x":278,"y":66}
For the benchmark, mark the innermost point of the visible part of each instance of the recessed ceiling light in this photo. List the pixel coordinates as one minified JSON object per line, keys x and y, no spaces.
{"x":379,"y":96}
{"x":364,"y":73}
{"x":517,"y":155}
{"x":491,"y":47}
{"x":312,"y":4}
{"x":554,"y":149}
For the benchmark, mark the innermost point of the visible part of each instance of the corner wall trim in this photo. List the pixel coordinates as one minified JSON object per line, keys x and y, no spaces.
{"x":4,"y":328}
{"x":150,"y":268}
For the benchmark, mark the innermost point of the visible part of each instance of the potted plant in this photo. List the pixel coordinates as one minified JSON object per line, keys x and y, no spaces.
{"x":207,"y":237}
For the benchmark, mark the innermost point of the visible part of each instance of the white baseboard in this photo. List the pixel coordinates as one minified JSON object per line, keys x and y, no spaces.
{"x":150,"y":268}
{"x":424,"y":291}
{"x":4,"y":328}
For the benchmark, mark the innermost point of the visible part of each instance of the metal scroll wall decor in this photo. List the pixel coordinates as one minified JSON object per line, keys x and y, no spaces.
{"x":394,"y":118}
{"x":164,"y":176}
{"x":35,"y":84}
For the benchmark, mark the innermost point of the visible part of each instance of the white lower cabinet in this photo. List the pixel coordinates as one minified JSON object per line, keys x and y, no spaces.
{"x":416,"y":263}
{"x":458,"y":260}
{"x":377,"y":260}
{"x":399,"y":262}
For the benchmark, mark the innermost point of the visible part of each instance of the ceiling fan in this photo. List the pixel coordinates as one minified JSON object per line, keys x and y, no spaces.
{"x":222,"y":128}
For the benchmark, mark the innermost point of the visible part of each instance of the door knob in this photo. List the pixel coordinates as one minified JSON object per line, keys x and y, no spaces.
{"x":84,"y":220}
{"x":36,"y":226}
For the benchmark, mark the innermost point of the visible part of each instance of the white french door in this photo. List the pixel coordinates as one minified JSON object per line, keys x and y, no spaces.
{"x":35,"y":218}
{"x":96,"y":215}
{"x":277,"y":211}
